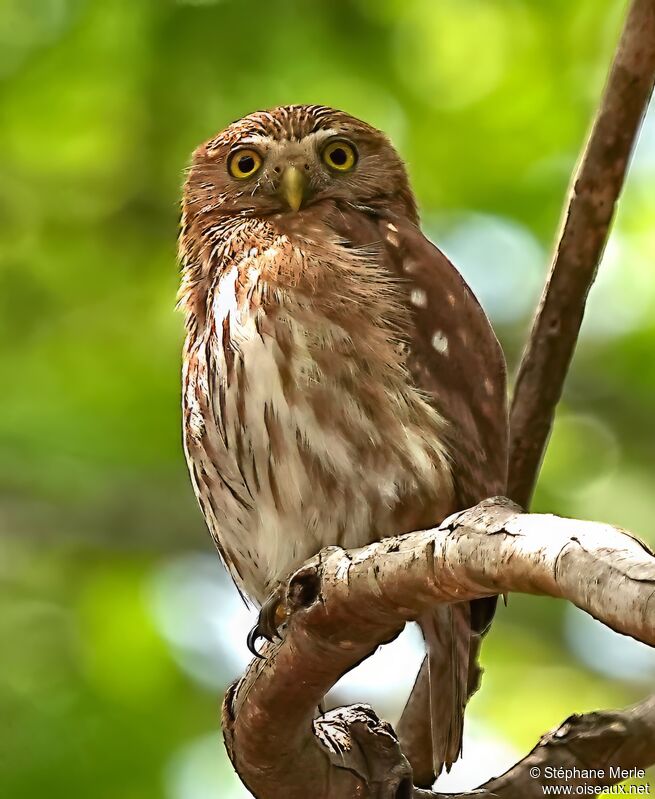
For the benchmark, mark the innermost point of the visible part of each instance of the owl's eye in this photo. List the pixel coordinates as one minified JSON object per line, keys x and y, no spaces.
{"x":244,"y":163}
{"x":340,"y":155}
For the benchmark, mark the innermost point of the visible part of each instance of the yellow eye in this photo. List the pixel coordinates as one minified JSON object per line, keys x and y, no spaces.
{"x":340,"y":156}
{"x":244,"y":163}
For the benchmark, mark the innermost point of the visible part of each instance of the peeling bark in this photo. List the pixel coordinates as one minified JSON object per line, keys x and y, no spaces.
{"x":342,"y":604}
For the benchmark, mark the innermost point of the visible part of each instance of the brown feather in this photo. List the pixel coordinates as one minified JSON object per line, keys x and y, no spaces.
{"x":454,"y":356}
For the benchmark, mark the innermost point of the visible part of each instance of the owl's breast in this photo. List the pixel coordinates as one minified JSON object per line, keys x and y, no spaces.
{"x":317,"y":416}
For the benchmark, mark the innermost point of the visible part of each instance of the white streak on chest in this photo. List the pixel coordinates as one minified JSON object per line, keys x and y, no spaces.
{"x":292,"y":515}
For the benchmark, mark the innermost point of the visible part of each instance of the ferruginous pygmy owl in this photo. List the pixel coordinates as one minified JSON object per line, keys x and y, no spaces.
{"x":341,"y":382}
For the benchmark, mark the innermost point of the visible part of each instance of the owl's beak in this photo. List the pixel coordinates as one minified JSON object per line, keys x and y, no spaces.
{"x":292,"y":187}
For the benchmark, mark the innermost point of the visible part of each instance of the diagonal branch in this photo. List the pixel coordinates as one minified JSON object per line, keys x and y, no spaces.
{"x":342,"y":605}
{"x":588,"y":751}
{"x":595,"y":189}
{"x":593,"y":196}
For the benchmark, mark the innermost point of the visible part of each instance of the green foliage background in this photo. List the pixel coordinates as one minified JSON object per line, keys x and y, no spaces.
{"x":101,"y":102}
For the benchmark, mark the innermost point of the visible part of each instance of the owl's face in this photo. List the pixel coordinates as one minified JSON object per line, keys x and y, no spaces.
{"x":291,"y":158}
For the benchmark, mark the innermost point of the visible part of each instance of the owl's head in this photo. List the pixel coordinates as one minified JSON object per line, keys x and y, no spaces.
{"x":292,"y":157}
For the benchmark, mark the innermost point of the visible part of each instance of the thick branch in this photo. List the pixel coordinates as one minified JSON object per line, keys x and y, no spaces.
{"x":343,"y":604}
{"x":594,"y":193}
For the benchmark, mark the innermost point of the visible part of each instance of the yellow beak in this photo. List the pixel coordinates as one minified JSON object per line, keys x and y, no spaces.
{"x":292,"y":187}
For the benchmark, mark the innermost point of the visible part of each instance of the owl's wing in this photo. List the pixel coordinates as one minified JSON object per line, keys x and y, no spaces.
{"x":454,"y":355}
{"x":456,"y":358}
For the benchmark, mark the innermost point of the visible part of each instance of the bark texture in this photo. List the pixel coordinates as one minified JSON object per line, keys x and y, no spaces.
{"x":618,"y":739}
{"x":342,"y":604}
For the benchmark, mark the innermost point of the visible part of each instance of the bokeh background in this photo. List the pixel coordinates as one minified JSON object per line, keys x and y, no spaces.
{"x":119,"y":630}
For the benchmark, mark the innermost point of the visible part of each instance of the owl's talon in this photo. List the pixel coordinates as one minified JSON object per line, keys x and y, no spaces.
{"x":271,"y":617}
{"x":253,"y":636}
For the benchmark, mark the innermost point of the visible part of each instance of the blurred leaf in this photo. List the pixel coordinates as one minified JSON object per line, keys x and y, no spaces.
{"x":101,"y":103}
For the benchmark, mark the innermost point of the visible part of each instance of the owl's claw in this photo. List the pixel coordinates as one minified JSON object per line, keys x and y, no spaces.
{"x":253,"y":636}
{"x":271,"y":617}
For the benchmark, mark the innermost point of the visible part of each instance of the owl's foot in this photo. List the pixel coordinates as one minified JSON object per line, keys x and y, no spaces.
{"x":271,"y":617}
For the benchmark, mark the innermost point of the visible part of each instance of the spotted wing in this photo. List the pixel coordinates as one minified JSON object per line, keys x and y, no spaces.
{"x":455,"y":357}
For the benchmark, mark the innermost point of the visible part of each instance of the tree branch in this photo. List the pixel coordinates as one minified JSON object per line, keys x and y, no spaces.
{"x":594,"y":193}
{"x":342,"y":605}
{"x":593,"y":196}
{"x":600,"y":741}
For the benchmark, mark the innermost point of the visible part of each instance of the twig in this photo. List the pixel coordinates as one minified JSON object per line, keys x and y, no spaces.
{"x":594,"y":193}
{"x":343,"y":604}
{"x":592,"y":750}
{"x":607,"y":742}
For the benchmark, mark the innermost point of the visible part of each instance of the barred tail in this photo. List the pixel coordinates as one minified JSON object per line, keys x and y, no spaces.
{"x":448,"y":635}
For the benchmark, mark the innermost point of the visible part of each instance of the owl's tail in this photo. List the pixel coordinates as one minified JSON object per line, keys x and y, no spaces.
{"x":452,"y":648}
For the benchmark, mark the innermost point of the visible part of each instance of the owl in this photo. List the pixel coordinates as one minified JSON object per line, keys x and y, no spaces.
{"x":340,"y":381}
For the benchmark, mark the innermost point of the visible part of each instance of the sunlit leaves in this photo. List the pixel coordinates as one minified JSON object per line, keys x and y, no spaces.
{"x":101,"y":103}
